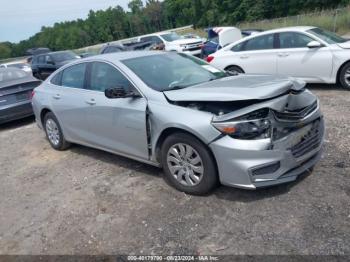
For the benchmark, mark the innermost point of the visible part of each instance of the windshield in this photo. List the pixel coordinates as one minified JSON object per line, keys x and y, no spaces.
{"x":214,"y":39}
{"x":170,"y":71}
{"x":11,"y":74}
{"x":19,"y":65}
{"x":327,"y":36}
{"x":171,"y":37}
{"x":63,"y":56}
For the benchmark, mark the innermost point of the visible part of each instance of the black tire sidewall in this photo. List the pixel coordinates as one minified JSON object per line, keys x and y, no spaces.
{"x":235,"y":69}
{"x":341,"y":76}
{"x":62,"y":144}
{"x":210,"y":177}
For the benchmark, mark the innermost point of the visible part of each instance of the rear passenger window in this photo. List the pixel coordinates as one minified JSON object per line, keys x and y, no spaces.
{"x":41,"y":59}
{"x":145,"y":39}
{"x":157,"y":40}
{"x":74,"y":76}
{"x":112,"y":49}
{"x":105,"y":76}
{"x":260,"y":43}
{"x":237,"y":47}
{"x":56,"y":80}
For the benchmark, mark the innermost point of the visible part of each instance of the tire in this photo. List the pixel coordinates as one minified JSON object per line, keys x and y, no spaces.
{"x":234,"y":70}
{"x":54,"y":132}
{"x":344,"y":76}
{"x":192,"y":175}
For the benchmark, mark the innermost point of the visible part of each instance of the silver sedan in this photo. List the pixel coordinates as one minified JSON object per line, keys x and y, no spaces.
{"x":202,"y":125}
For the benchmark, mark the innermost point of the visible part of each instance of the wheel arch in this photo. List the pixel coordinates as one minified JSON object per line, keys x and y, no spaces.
{"x":172,"y":130}
{"x":234,"y":66}
{"x":43,"y":112}
{"x":340,"y":69}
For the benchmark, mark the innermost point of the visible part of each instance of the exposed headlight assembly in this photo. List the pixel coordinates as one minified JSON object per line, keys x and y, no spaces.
{"x":255,"y":125}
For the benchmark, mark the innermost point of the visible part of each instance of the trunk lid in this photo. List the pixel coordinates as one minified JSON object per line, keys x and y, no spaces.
{"x":17,"y":93}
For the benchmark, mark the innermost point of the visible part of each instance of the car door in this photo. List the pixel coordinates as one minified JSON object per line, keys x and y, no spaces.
{"x":297,"y":60}
{"x":116,"y":124}
{"x":257,"y":55}
{"x":69,"y":103}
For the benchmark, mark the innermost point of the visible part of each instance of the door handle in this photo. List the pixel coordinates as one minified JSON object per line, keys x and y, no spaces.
{"x":244,"y":56}
{"x":91,"y":102}
{"x":283,"y":54}
{"x":57,"y":96}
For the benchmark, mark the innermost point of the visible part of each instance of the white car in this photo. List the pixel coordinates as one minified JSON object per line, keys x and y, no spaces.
{"x":308,"y":53}
{"x":174,"y":42}
{"x":20,"y":65}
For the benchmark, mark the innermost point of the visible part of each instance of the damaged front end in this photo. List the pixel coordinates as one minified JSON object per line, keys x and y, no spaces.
{"x":265,"y":141}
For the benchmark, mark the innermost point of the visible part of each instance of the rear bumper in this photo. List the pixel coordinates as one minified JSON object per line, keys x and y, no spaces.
{"x":15,"y":111}
{"x":251,"y":164}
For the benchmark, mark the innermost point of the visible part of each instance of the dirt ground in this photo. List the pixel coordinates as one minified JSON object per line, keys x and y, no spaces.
{"x":85,"y":201}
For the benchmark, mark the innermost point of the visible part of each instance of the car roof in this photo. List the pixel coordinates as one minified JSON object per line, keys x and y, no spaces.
{"x":278,"y":30}
{"x":292,"y":28}
{"x":111,"y":57}
{"x":56,"y":52}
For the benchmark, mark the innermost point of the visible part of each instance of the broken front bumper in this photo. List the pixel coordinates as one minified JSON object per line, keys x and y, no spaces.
{"x":252,"y":164}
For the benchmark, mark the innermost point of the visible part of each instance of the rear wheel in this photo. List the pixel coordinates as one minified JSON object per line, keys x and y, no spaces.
{"x":188,"y":165}
{"x":54,"y":132}
{"x":344,"y":76}
{"x":234,"y":70}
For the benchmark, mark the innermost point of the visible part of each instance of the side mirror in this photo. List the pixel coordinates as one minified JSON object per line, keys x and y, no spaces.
{"x":50,"y":62}
{"x":117,"y":92}
{"x":314,"y":44}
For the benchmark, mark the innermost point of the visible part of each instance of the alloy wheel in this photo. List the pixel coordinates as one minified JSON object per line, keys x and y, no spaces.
{"x":347,"y":77}
{"x":52,"y":131}
{"x":185,"y":164}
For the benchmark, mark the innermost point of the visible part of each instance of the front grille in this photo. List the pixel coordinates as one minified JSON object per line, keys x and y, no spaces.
{"x":193,"y":48}
{"x":297,"y":114}
{"x":309,"y":142}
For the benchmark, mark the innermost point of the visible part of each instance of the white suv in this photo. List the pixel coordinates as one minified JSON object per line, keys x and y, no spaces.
{"x":308,"y":53}
{"x":174,"y":42}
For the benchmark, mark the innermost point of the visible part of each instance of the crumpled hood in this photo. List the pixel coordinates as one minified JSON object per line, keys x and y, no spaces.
{"x":237,"y":88}
{"x":345,"y":45}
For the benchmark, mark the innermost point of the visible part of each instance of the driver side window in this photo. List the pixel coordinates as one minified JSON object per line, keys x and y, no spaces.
{"x":48,"y":59}
{"x":104,"y":76}
{"x":294,"y":40}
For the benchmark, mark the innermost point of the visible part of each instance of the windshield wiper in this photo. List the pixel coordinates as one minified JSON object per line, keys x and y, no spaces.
{"x":177,"y":87}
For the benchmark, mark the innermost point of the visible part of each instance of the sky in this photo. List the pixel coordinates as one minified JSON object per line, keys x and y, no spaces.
{"x":20,"y":19}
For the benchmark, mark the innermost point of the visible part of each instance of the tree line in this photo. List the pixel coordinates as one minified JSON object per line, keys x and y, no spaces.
{"x":116,"y":23}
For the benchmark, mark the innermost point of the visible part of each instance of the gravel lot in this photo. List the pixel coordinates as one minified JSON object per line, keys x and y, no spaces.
{"x":85,"y":201}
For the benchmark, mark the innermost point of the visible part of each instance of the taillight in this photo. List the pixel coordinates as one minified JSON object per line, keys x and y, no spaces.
{"x":210,"y":58}
{"x":32,"y":94}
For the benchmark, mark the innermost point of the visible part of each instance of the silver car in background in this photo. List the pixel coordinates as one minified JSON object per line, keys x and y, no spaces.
{"x":202,"y":125}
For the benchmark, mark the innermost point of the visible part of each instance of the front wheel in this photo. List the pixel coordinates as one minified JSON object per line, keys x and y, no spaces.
{"x":234,"y":70}
{"x":344,"y":76}
{"x":188,"y":164}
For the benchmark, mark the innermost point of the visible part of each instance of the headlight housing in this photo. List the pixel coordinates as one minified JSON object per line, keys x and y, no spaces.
{"x":255,"y":125}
